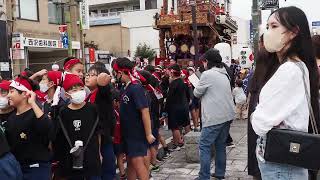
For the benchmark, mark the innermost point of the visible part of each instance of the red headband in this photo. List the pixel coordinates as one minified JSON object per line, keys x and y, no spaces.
{"x":131,"y":72}
{"x":117,"y":68}
{"x":71,"y":63}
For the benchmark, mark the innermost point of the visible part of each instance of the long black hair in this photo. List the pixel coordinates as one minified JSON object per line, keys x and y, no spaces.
{"x":294,"y":20}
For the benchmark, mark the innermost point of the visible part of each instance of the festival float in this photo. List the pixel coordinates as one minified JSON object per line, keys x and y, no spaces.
{"x":180,"y":36}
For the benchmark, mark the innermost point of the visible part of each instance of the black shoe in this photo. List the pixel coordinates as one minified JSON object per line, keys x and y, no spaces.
{"x":176,"y":148}
{"x":217,"y":177}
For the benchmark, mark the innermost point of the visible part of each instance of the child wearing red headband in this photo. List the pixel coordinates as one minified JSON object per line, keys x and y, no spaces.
{"x":9,"y":166}
{"x":135,"y":119}
{"x":74,"y":66}
{"x":27,"y":130}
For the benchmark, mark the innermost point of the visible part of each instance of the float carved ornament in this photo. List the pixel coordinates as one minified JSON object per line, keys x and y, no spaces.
{"x":180,"y":29}
{"x":168,"y":19}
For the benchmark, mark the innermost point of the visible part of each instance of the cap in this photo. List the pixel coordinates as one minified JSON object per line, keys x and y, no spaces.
{"x":212,"y":55}
{"x":55,"y":76}
{"x":5,"y":85}
{"x":21,"y":84}
{"x":71,"y":80}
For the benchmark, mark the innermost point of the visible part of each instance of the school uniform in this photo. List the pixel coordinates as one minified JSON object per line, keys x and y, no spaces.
{"x":28,"y":137}
{"x":117,"y":142}
{"x":133,"y":99}
{"x":154,"y":114}
{"x":102,"y":98}
{"x":9,"y":166}
{"x":78,"y":124}
{"x":177,"y":104}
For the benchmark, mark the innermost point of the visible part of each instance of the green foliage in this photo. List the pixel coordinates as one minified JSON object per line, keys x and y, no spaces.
{"x":145,"y":51}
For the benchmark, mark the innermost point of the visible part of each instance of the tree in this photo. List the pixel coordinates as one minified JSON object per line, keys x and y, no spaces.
{"x":145,"y":51}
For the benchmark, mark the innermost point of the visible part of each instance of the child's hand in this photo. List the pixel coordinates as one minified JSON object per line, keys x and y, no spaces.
{"x":103,"y":79}
{"x":42,"y":72}
{"x":150,"y":138}
{"x":31,"y":97}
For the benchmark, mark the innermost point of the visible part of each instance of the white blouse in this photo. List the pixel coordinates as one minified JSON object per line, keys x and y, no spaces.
{"x":282,"y":101}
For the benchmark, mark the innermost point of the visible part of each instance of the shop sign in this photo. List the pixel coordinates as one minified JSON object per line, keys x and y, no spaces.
{"x":17,"y":42}
{"x":4,"y":66}
{"x":269,"y":4}
{"x":18,"y":54}
{"x":84,"y":14}
{"x":42,"y":43}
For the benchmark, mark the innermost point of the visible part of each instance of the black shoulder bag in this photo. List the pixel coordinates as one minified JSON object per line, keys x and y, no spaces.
{"x":78,"y":155}
{"x":292,"y":147}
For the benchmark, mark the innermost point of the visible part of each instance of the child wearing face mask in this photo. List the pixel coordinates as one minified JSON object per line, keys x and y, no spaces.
{"x":78,"y":124}
{"x":134,"y":112}
{"x":9,"y":166}
{"x":27,"y":129}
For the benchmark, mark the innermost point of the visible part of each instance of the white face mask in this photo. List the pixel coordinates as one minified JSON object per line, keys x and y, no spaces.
{"x":275,"y":40}
{"x":43,"y":87}
{"x":4,"y":102}
{"x":78,"y":97}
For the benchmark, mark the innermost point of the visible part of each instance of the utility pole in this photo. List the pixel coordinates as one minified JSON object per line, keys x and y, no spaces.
{"x":256,"y":21}
{"x":195,"y":29}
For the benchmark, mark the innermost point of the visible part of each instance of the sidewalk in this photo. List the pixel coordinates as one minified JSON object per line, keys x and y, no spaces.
{"x":176,"y":168}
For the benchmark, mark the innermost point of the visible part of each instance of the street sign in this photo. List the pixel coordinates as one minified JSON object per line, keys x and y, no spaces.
{"x":65,"y":41}
{"x":316,"y":23}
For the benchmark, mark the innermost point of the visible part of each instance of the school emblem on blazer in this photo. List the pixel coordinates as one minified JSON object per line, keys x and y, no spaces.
{"x":77,"y":125}
{"x":125,"y":99}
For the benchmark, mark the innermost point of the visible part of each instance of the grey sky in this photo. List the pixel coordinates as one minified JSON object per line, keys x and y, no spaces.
{"x":242,"y":8}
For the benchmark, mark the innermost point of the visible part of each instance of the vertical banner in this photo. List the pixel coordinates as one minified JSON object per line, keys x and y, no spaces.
{"x":92,"y":55}
{"x":84,"y":14}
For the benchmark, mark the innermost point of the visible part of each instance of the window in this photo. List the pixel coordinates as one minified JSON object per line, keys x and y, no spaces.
{"x":27,"y":9}
{"x":103,"y":11}
{"x":151,"y":4}
{"x":93,"y":12}
{"x":55,"y":11}
{"x":135,"y":8}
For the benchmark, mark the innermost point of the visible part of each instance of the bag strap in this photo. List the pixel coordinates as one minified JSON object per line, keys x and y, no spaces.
{"x":91,"y":133}
{"x":68,"y":138}
{"x":313,"y":121}
{"x":65,"y":132}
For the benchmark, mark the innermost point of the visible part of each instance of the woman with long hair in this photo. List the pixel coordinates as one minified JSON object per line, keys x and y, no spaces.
{"x":282,"y":100}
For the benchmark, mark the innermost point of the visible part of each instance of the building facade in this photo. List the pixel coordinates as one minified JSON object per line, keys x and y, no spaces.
{"x":4,"y":50}
{"x":119,"y":26}
{"x":36,"y":41}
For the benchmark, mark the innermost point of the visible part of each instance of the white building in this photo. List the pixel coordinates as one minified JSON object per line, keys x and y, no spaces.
{"x":241,"y":39}
{"x":130,"y":23}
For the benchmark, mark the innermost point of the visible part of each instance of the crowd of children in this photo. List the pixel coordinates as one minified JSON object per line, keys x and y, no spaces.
{"x":70,"y":125}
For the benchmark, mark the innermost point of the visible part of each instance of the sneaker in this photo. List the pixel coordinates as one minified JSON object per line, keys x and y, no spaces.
{"x":231,"y":145}
{"x":160,"y":159}
{"x":176,"y":148}
{"x":166,"y":156}
{"x":123,"y":177}
{"x":154,"y":168}
{"x":181,"y":145}
{"x":217,"y":177}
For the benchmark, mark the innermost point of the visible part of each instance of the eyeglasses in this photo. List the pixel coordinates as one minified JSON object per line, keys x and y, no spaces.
{"x":90,"y":75}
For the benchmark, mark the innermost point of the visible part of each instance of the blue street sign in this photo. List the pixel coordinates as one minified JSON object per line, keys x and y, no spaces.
{"x":316,"y":23}
{"x":65,"y":41}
